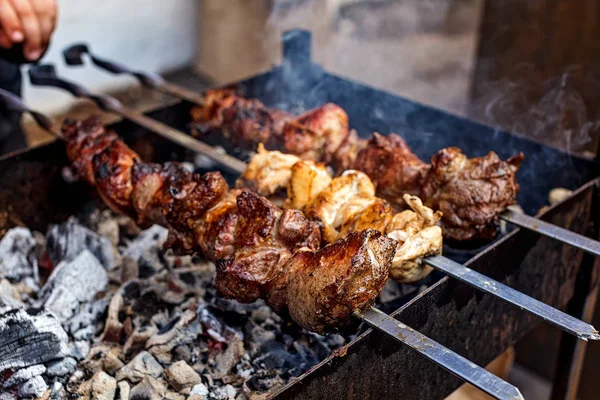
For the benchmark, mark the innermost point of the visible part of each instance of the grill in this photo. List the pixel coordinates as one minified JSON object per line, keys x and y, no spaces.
{"x":477,"y":326}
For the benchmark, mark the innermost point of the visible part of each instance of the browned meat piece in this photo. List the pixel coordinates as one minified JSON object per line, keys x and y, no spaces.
{"x":260,"y":252}
{"x":113,"y":176}
{"x":345,"y":156}
{"x":324,"y":288}
{"x":216,"y":234}
{"x":245,"y":122}
{"x":393,"y":167}
{"x":470,"y":192}
{"x":316,"y":134}
{"x":84,"y":140}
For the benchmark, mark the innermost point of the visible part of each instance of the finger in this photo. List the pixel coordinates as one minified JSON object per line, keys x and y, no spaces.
{"x":5,"y":42}
{"x":10,"y":22}
{"x":31,"y":29}
{"x":46,"y":12}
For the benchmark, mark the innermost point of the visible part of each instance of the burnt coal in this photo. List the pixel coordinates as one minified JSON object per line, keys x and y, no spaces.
{"x":67,"y":241}
{"x":117,"y":316}
{"x":17,"y":255}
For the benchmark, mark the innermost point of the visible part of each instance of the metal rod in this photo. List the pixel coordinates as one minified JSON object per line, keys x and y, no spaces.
{"x":45,"y":75}
{"x":445,"y":358}
{"x":552,"y":231}
{"x":549,"y":314}
{"x":73,"y":56}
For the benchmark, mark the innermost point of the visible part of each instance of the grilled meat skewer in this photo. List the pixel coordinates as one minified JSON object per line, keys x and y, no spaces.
{"x":470,"y":192}
{"x":260,"y":250}
{"x":346,"y":204}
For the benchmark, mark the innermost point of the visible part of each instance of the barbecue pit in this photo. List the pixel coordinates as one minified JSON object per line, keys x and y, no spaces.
{"x":474,"y":325}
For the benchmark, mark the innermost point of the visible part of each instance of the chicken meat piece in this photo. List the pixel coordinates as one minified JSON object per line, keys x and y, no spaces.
{"x":418,"y":236}
{"x":316,"y":134}
{"x":346,"y":197}
{"x":307,"y":181}
{"x":470,"y":193}
{"x":268,"y":172}
{"x":325,"y":288}
{"x":393,"y":167}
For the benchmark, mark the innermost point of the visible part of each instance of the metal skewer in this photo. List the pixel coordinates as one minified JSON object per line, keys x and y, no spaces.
{"x":432,"y":350}
{"x":552,"y":231}
{"x":46,"y":75}
{"x":74,"y":56}
{"x":452,"y":362}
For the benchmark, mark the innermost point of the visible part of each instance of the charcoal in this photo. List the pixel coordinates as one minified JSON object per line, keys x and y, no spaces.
{"x":199,"y":389}
{"x":183,"y":332}
{"x":141,"y":366}
{"x":23,"y":375}
{"x":30,"y":337}
{"x":263,"y":381}
{"x":17,"y":255}
{"x":83,"y":325}
{"x":66,"y":241}
{"x":153,"y":237}
{"x":9,"y":296}
{"x":225,"y":361}
{"x":101,"y":386}
{"x":226,"y":392}
{"x":72,"y":283}
{"x":62,"y":367}
{"x":180,"y":375}
{"x":113,"y":327}
{"x":109,"y":229}
{"x":148,"y":389}
{"x":137,"y":340}
{"x":124,"y":390}
{"x":8,"y":396}
{"x":34,"y":387}
{"x":111,"y":362}
{"x":79,"y":349}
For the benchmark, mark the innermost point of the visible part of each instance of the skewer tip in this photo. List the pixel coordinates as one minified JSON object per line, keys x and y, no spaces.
{"x":518,"y":395}
{"x":593,"y":335}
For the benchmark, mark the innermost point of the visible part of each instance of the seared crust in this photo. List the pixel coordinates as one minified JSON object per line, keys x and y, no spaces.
{"x":324,"y":288}
{"x":470,"y":192}
{"x":393,"y":167}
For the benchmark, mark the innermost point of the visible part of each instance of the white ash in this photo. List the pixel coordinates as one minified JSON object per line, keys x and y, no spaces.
{"x":17,"y":255}
{"x":24,"y":375}
{"x":34,"y":387}
{"x":154,"y":324}
{"x":152,"y":237}
{"x":141,"y":366}
{"x":67,"y":241}
{"x":29,"y":338}
{"x":72,"y":283}
{"x":61,"y":367}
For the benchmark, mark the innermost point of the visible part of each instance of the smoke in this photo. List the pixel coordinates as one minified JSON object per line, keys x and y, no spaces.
{"x":552,"y":111}
{"x":419,"y":49}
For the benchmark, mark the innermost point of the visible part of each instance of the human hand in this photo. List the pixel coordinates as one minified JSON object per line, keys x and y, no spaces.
{"x":30,"y":22}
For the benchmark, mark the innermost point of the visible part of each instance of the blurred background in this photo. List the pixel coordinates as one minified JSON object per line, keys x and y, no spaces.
{"x":526,"y":66}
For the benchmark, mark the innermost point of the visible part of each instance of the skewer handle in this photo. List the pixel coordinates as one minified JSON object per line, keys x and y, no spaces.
{"x":442,"y":356}
{"x":45,"y":75}
{"x":11,"y":102}
{"x":74,"y":56}
{"x":552,"y":231}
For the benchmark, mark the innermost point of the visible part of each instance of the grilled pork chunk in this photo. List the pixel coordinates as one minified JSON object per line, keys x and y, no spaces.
{"x":470,"y":192}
